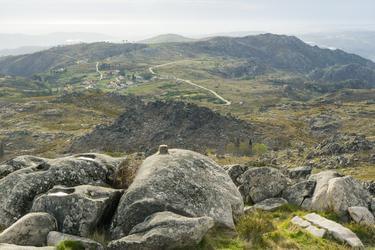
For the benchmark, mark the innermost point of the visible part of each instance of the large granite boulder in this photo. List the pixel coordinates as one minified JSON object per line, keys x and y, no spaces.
{"x":54,"y":238}
{"x":79,"y":210}
{"x":345,"y":192}
{"x":165,"y":230}
{"x":319,"y":198}
{"x":297,"y":193}
{"x":180,"y":181}
{"x":258,"y":184}
{"x":31,"y":230}
{"x":34,"y":176}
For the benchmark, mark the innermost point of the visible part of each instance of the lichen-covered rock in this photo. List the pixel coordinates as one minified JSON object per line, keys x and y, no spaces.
{"x":262,"y":183}
{"x":54,"y":238}
{"x":36,"y":176}
{"x":31,"y":230}
{"x":165,"y":230}
{"x":345,"y":192}
{"x":79,"y":210}
{"x":319,"y":199}
{"x":362,"y":215}
{"x":297,"y":193}
{"x":183,"y":182}
{"x":299,"y":172}
{"x":235,"y":171}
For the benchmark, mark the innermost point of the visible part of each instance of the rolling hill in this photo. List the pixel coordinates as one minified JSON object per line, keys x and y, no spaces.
{"x":273,"y":52}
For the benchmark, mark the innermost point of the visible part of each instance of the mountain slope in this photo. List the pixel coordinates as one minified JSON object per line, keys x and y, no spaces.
{"x":167,"y":38}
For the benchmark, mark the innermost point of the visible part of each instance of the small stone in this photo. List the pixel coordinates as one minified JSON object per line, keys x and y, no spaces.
{"x":163,"y":149}
{"x":300,"y":222}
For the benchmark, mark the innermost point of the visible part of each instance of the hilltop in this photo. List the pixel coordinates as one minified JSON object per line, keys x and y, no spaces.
{"x":167,"y":38}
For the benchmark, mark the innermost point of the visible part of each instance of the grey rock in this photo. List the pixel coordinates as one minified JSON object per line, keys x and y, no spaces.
{"x":54,"y":238}
{"x":297,"y":193}
{"x":165,"y":230}
{"x":235,"y":171}
{"x":183,"y":182}
{"x":262,"y":183}
{"x":17,"y":247}
{"x":317,"y":232}
{"x":338,"y":231}
{"x":319,"y":199}
{"x":299,"y":172}
{"x":345,"y":192}
{"x":31,"y":230}
{"x":79,"y":210}
{"x":33,"y":177}
{"x":270,"y":204}
{"x":362,"y":215}
{"x":298,"y":221}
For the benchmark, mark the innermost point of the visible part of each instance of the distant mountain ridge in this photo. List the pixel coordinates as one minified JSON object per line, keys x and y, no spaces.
{"x":274,"y":52}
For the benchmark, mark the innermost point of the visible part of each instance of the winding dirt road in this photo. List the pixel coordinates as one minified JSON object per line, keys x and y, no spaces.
{"x":97,"y":70}
{"x":152,"y":71}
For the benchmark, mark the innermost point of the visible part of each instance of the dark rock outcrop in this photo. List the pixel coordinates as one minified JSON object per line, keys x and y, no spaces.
{"x":145,"y":127}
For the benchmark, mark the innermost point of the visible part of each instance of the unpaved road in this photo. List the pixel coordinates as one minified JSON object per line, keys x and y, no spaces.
{"x":97,"y":70}
{"x":151,"y":69}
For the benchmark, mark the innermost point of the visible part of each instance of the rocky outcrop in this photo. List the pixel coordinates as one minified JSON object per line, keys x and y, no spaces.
{"x":54,"y":238}
{"x":343,"y":143}
{"x":180,"y":181}
{"x":258,"y":184}
{"x":143,"y":127}
{"x":79,"y":210}
{"x":31,"y":230}
{"x":165,"y":230}
{"x":339,"y":232}
{"x":362,"y":215}
{"x":36,"y":176}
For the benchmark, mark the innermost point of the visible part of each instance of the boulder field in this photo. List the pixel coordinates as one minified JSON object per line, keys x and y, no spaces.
{"x":176,"y":197}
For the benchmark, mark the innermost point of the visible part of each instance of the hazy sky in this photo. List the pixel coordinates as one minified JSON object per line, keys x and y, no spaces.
{"x":133,"y":19}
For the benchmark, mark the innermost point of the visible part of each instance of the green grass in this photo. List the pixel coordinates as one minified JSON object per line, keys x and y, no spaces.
{"x":70,"y":245}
